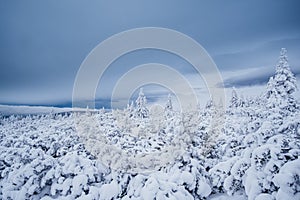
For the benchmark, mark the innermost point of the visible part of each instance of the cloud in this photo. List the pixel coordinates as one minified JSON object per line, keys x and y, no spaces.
{"x":251,"y":77}
{"x":263,"y":52}
{"x":43,"y":44}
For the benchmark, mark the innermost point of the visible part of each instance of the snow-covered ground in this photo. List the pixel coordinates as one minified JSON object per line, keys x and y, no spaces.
{"x":33,"y":110}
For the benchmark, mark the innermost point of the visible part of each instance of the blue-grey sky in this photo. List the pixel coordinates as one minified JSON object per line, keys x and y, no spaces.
{"x":43,"y":43}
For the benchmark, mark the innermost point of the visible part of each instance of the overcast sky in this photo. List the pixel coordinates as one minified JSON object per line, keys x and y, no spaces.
{"x":43,"y":43}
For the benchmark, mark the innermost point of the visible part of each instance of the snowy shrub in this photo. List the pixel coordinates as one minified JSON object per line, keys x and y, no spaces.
{"x":264,"y":162}
{"x":233,"y":183}
{"x":220,"y":172}
{"x":288,"y":181}
{"x":181,"y":181}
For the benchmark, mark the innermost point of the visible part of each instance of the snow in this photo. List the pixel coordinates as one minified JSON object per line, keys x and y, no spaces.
{"x":7,"y":110}
{"x":288,"y":180}
{"x":227,"y":197}
{"x":204,"y":189}
{"x":109,"y":191}
{"x":264,"y":196}
{"x":251,"y":151}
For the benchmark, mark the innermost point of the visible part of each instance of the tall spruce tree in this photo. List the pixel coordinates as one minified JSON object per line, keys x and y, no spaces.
{"x":141,"y":110}
{"x":281,"y":86}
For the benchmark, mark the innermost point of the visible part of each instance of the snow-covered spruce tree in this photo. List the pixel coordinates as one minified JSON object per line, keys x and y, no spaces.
{"x":204,"y":126}
{"x":141,"y":111}
{"x":169,"y":112}
{"x":211,"y":122}
{"x":124,"y":118}
{"x":279,"y":101}
{"x":281,"y":86}
{"x":238,"y":105}
{"x":227,"y":174}
{"x":130,"y":109}
{"x":268,"y":141}
{"x":234,"y":101}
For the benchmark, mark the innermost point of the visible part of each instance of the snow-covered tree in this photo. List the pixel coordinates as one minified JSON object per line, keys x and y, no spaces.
{"x":130,"y":110}
{"x":281,"y":86}
{"x":141,"y":111}
{"x":234,"y":101}
{"x":169,"y":107}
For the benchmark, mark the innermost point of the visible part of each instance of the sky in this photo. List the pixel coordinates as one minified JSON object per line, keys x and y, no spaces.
{"x":43,"y":43}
